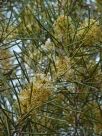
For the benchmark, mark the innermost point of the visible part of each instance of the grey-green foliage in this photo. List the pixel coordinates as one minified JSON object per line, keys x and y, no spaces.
{"x":47,"y":44}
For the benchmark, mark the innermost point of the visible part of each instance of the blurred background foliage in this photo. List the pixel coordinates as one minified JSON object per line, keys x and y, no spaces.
{"x":50,"y":68}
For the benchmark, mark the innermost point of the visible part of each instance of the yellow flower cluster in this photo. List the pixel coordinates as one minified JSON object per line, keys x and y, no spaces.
{"x":63,"y":67}
{"x":34,"y":95}
{"x":90,"y":32}
{"x":63,"y":28}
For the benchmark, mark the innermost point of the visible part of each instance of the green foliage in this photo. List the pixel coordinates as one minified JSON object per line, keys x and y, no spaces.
{"x":50,"y":68}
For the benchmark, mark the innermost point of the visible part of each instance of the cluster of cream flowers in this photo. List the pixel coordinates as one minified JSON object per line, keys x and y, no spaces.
{"x":62,"y":63}
{"x":34,"y":95}
{"x":63,"y":29}
{"x":90,"y":32}
{"x":63,"y":67}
